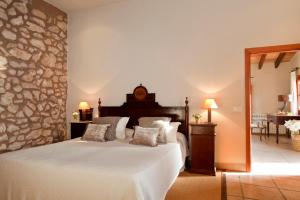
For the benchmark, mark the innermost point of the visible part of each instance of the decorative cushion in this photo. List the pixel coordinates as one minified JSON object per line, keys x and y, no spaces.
{"x":121,"y":126}
{"x":145,"y":136}
{"x":148,"y":121}
{"x":95,"y":132}
{"x":111,"y":131}
{"x":167,"y":131}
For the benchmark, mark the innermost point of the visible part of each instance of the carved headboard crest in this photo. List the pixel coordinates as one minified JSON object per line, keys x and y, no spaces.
{"x":140,"y":96}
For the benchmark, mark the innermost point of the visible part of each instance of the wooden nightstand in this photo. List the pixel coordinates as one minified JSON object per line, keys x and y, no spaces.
{"x":78,"y":128}
{"x":203,"y":148}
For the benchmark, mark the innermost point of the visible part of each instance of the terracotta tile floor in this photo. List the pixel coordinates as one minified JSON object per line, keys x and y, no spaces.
{"x":275,"y":173}
{"x":257,"y":187}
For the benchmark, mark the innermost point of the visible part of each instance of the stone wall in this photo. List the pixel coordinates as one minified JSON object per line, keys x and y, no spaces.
{"x":33,"y":67}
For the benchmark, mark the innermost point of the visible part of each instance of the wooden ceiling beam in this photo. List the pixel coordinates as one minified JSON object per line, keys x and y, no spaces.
{"x":262,"y":61}
{"x":279,"y":59}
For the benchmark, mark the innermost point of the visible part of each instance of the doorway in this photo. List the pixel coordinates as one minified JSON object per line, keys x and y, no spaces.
{"x":248,"y":53}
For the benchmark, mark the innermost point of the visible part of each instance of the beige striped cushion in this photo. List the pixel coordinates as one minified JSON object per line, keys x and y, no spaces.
{"x":145,"y":136}
{"x":95,"y":132}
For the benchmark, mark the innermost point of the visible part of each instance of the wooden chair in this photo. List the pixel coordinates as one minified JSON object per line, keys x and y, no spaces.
{"x":259,"y":122}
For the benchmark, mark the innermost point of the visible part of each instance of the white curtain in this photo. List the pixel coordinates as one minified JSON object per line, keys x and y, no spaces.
{"x":293,"y":97}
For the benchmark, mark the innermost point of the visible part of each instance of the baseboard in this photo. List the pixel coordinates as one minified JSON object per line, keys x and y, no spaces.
{"x":271,"y":134}
{"x":239,"y":167}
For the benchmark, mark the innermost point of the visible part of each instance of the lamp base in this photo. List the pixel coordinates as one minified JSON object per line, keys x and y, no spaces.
{"x":209,"y":115}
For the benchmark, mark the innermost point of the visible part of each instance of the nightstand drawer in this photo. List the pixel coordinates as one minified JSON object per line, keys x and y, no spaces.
{"x":203,"y":130}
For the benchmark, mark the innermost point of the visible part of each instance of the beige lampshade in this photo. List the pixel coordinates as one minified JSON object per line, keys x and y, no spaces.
{"x":84,"y":105}
{"x":210,"y":103}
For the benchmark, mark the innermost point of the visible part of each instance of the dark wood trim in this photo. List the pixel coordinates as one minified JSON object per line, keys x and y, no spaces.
{"x":272,"y":49}
{"x":248,"y":53}
{"x":223,"y":186}
{"x":279,"y":59}
{"x":248,"y":107}
{"x":262,"y":61}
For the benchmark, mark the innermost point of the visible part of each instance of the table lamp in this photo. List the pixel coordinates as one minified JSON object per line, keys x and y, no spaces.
{"x":85,"y":111}
{"x":209,"y":104}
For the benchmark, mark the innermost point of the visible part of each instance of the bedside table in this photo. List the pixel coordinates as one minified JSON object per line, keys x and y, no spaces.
{"x":203,"y":148}
{"x":78,"y":128}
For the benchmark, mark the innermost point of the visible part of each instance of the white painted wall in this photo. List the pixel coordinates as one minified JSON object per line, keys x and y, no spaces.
{"x":176,"y":49}
{"x":267,"y":84}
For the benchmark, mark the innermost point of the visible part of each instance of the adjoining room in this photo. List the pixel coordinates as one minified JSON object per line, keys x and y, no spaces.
{"x":272,"y":156}
{"x":275,"y":89}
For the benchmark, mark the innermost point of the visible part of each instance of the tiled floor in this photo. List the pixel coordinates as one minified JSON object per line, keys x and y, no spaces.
{"x":275,"y":173}
{"x":275,"y":159}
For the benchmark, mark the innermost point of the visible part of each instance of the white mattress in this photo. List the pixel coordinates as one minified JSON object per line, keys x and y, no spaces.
{"x":77,"y":170}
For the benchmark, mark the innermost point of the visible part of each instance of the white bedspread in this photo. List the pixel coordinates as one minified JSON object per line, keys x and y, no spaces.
{"x":78,"y":170}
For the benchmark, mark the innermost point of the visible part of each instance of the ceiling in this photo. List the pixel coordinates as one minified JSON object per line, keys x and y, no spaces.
{"x":75,"y":5}
{"x":277,"y":58}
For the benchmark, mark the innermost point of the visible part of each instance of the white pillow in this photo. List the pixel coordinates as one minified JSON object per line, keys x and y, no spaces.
{"x":121,"y":127}
{"x":167,"y":131}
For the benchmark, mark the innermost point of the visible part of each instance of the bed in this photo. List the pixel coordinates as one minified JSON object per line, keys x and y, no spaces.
{"x":77,"y":169}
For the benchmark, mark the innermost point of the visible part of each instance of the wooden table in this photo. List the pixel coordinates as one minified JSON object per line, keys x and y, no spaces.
{"x":279,"y":120}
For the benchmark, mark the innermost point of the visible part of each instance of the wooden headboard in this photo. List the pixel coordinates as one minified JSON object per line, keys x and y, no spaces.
{"x":142,"y":104}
